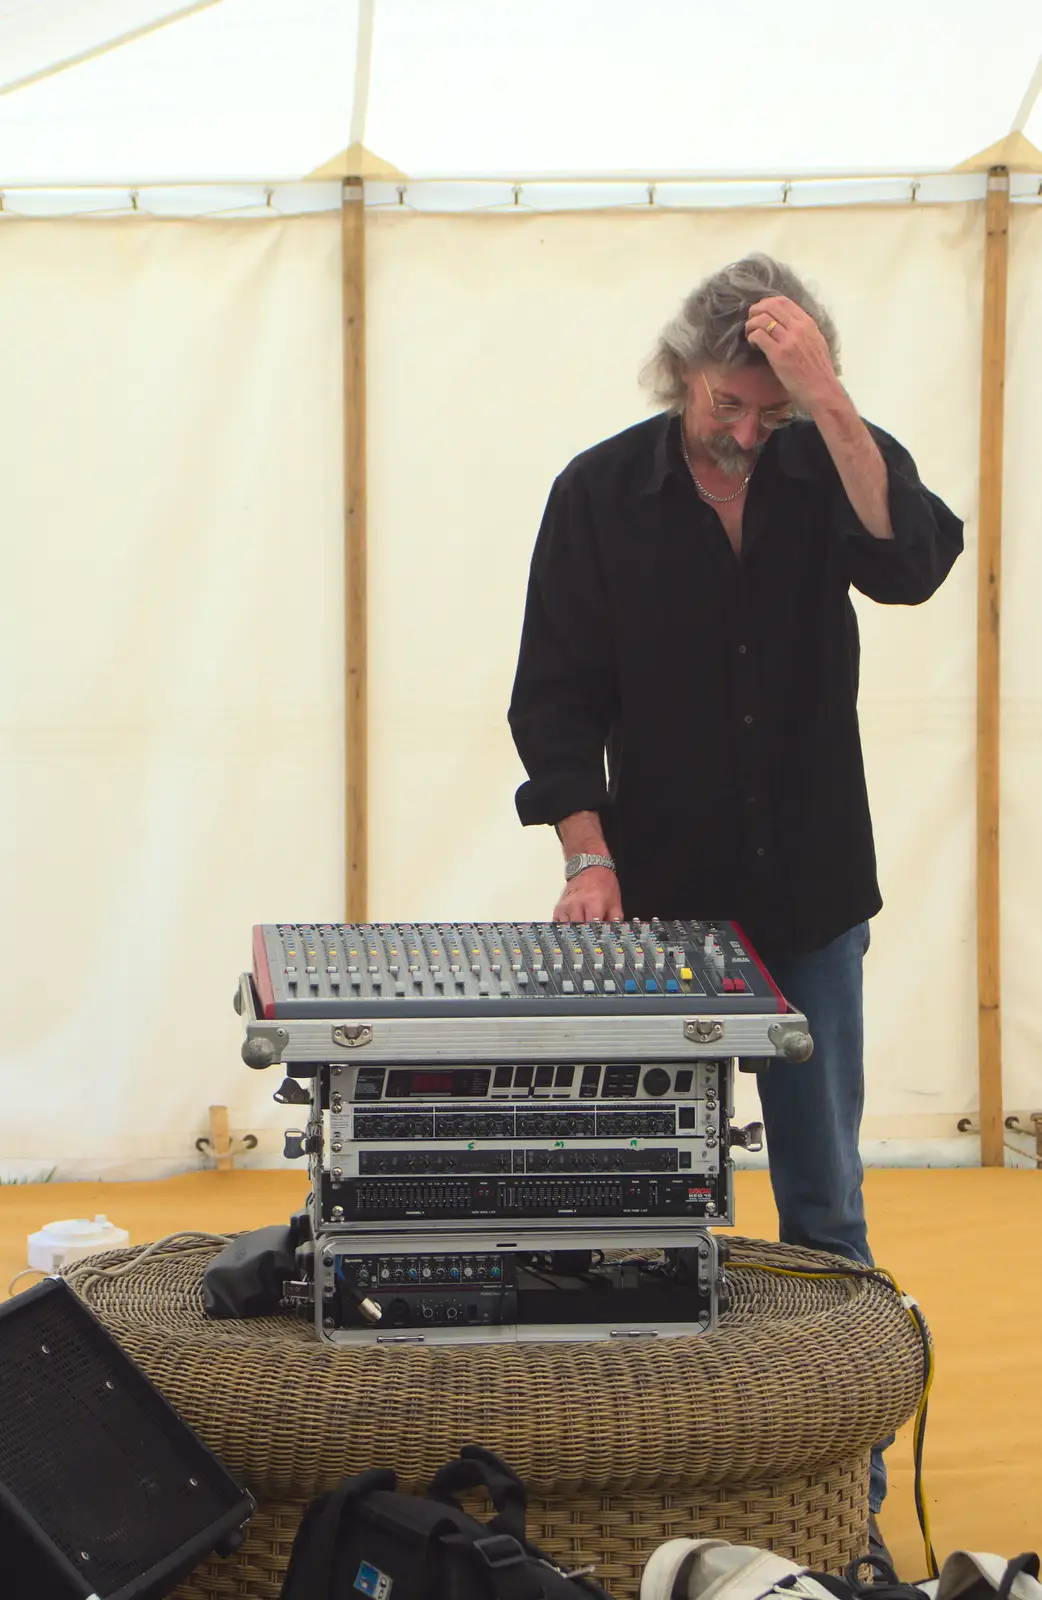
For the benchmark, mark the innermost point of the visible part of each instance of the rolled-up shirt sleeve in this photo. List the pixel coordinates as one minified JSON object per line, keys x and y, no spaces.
{"x":564,"y":697}
{"x":907,"y":569}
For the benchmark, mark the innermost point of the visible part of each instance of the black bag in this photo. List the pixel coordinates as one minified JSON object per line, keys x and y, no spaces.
{"x":964,"y":1576}
{"x":247,"y":1277}
{"x":365,"y":1540}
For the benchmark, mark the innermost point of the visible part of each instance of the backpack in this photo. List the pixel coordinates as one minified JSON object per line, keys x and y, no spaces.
{"x":364,"y":1539}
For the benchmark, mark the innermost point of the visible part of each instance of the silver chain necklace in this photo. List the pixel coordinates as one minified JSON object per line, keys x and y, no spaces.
{"x":718,"y":499}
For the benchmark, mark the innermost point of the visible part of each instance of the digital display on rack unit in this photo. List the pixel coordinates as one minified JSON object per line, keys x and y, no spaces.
{"x":430,"y":1083}
{"x":405,"y":1084}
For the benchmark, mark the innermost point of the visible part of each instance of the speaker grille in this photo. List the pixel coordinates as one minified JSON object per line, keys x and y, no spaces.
{"x":91,"y":1451}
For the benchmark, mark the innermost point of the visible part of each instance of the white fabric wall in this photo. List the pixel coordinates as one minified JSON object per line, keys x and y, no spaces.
{"x":173,"y":728}
{"x":170,"y":472}
{"x":1022,"y":676}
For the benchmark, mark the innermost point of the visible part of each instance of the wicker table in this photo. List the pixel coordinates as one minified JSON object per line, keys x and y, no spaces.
{"x":758,"y":1432}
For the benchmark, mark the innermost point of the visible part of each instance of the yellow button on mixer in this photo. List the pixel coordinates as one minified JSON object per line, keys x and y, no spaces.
{"x":685,"y":973}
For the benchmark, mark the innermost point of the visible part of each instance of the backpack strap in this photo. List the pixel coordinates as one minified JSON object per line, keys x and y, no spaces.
{"x":475,"y":1466}
{"x":310,"y":1569}
{"x":505,"y":1563}
{"x":1027,"y":1562}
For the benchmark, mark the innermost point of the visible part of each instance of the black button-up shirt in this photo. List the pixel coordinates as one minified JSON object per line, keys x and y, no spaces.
{"x":722,"y":690}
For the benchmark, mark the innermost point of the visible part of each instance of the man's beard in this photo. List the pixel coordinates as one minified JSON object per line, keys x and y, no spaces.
{"x":729,"y":456}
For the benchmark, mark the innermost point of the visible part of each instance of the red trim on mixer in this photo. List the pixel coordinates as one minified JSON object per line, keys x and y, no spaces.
{"x":783,"y":1004}
{"x":261,"y":973}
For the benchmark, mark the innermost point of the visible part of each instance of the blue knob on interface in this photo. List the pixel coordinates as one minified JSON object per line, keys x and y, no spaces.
{"x":672,"y":986}
{"x":651,"y":985}
{"x":631,"y":985}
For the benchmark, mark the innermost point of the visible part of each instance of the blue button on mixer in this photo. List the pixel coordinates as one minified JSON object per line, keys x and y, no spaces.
{"x":651,"y":985}
{"x":631,"y":985}
{"x":672,"y":986}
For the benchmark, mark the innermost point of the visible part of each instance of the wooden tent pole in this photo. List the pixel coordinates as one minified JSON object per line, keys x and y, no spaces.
{"x":356,"y":786}
{"x":989,"y":570}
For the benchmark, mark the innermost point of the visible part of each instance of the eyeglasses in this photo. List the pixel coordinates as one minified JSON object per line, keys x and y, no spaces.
{"x":770,"y":416}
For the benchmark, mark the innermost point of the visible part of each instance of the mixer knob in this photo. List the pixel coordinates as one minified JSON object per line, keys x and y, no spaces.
{"x":657,"y":1081}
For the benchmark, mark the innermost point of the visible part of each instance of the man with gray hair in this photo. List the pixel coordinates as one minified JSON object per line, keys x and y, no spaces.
{"x":689,"y":618}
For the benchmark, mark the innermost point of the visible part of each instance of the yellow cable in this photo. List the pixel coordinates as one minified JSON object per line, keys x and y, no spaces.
{"x":919,"y":1422}
{"x":918,"y":1431}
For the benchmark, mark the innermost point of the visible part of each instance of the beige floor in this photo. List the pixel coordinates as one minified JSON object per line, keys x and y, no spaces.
{"x":967,"y":1244}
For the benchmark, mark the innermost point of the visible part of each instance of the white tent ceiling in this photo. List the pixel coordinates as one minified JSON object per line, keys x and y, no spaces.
{"x":147,"y":91}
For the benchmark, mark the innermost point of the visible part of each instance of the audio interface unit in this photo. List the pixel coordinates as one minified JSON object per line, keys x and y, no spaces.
{"x":515,"y":1297}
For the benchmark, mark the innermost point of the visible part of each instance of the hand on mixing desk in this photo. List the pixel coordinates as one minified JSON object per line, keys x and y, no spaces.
{"x":591,"y":896}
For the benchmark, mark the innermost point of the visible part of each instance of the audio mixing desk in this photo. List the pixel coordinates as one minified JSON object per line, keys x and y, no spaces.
{"x":422,"y":993}
{"x":483,"y":1096}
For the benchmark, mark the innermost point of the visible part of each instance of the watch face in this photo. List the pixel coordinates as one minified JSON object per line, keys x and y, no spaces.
{"x":572,"y":866}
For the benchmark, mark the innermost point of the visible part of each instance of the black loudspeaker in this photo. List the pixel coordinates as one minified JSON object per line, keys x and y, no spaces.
{"x":105,"y":1493}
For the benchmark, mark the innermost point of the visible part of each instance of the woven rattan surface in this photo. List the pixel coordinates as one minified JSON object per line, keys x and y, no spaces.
{"x":819,"y":1522}
{"x":799,"y":1375}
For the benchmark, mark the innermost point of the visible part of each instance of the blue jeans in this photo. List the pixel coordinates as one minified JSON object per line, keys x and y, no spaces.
{"x":812,"y":1116}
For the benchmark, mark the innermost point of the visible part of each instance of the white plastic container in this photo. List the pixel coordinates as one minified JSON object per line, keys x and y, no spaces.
{"x":58,"y":1243}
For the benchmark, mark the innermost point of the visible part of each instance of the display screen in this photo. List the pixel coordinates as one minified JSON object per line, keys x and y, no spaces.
{"x":405,"y":1084}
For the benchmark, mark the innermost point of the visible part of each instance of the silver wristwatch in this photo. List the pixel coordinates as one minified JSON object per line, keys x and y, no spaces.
{"x":577,"y":864}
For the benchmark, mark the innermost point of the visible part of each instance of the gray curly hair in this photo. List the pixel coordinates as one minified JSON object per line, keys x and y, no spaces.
{"x":710,"y":325}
